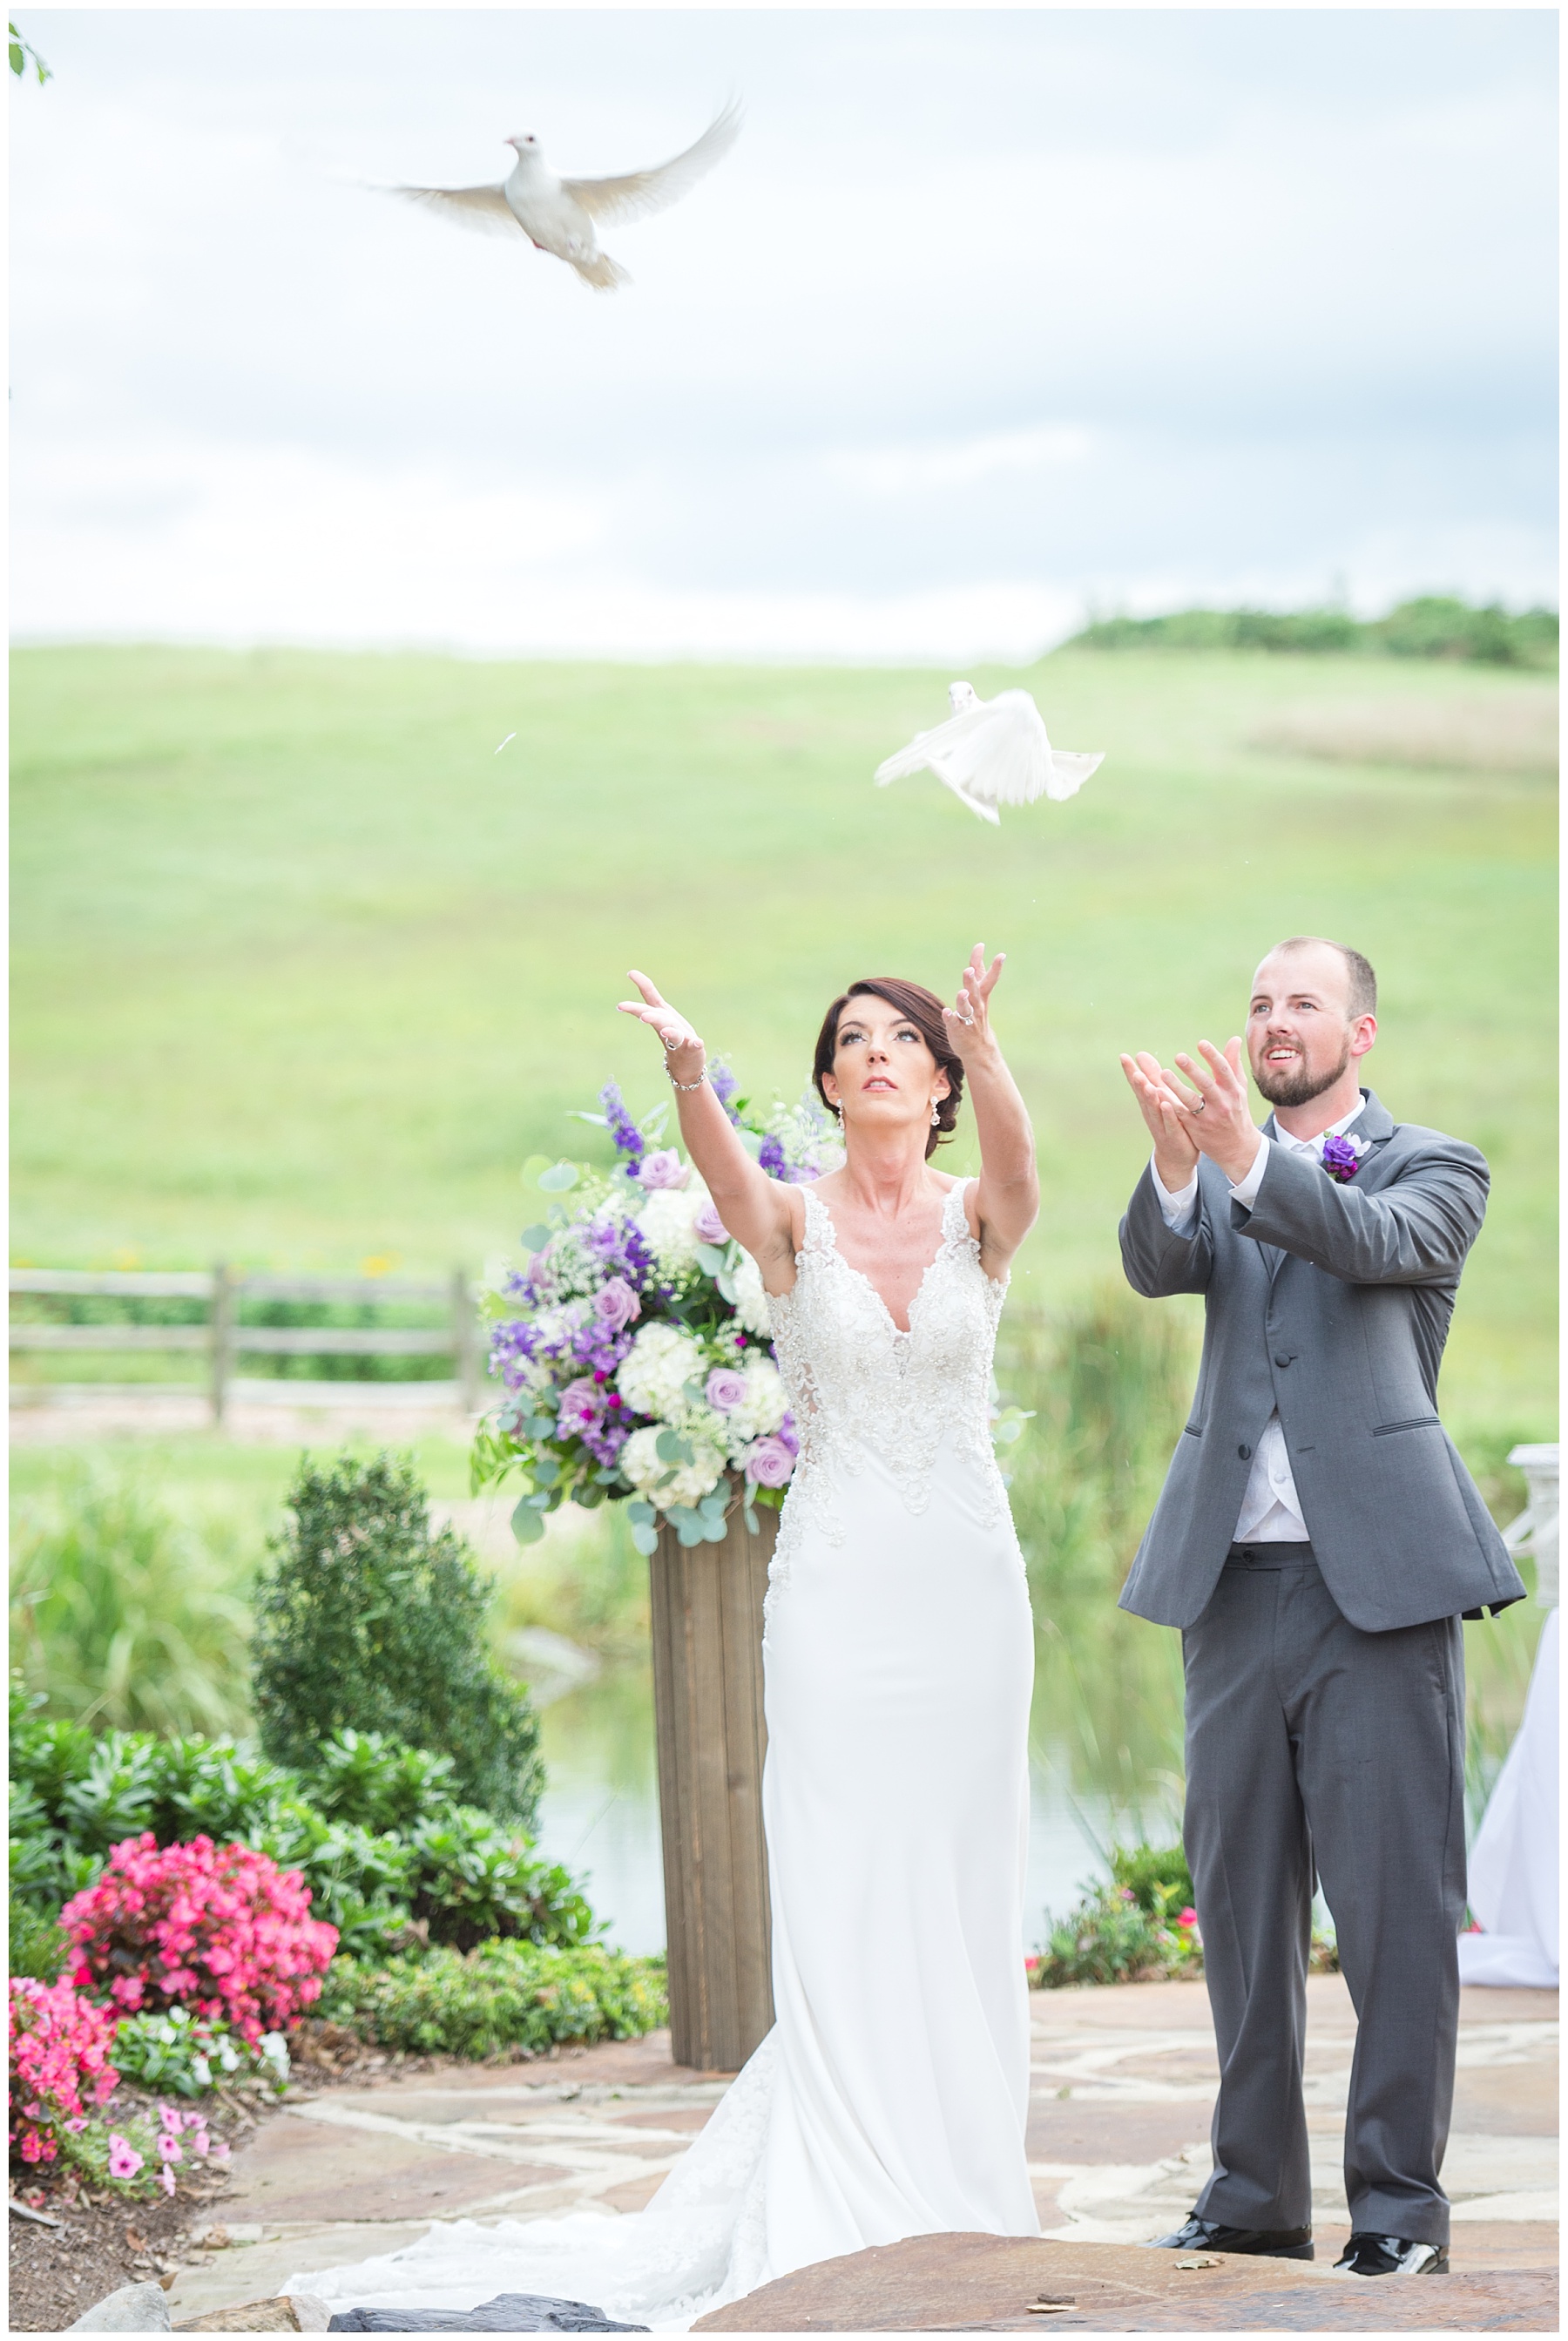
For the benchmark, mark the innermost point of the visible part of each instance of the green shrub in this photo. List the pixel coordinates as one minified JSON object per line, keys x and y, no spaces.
{"x":368,"y":1618}
{"x":502,"y":1996}
{"x":38,"y":1946}
{"x":122,"y":1613}
{"x":1159,"y":1875}
{"x":176,"y":2054}
{"x":450,"y":1868}
{"x":1110,"y":1937}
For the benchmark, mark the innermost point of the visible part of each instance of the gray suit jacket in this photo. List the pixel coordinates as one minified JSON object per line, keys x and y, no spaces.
{"x":1332,"y":1303}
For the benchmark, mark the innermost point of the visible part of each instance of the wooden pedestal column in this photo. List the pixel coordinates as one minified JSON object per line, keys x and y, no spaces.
{"x":708,"y":1707}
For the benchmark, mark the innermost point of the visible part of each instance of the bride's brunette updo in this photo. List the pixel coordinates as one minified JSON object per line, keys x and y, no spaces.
{"x":924,"y":1010}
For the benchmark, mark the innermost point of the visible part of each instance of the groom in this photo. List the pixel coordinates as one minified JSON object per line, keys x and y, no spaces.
{"x":1317,"y":1540}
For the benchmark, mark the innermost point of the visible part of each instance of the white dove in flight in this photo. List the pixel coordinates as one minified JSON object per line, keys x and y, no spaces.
{"x":991,"y":751}
{"x":559,"y":215}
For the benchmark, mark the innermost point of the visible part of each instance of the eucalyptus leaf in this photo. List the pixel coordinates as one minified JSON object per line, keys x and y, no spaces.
{"x":715,"y":1531}
{"x":710,"y":1258}
{"x":546,"y":1471}
{"x":527,"y":1522}
{"x":671,"y":1448}
{"x":726,"y":1284}
{"x":558,"y":1179}
{"x":642,"y":1511}
{"x":689,"y":1533}
{"x":646,"y":1540}
{"x":589,"y":1494}
{"x":542,"y":1426}
{"x":532,"y":1166}
{"x":535,"y":1237}
{"x":753,"y":1525}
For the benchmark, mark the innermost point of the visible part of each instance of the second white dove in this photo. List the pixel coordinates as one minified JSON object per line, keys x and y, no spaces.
{"x":991,"y":752}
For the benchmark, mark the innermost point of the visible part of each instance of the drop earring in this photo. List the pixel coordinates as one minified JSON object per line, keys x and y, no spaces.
{"x":936,"y":1117}
{"x":839,"y":1111}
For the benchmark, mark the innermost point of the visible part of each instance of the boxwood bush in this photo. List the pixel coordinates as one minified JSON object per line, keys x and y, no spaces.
{"x":502,"y":1996}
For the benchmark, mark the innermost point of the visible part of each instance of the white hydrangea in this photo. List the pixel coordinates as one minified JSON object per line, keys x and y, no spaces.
{"x":670,"y":1483}
{"x":666,"y":1220}
{"x":750,"y":1301}
{"x":761,"y":1410}
{"x":655,"y":1371}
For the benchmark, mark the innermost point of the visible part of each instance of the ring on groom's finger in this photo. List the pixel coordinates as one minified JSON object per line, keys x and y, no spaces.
{"x":1198,"y":1105}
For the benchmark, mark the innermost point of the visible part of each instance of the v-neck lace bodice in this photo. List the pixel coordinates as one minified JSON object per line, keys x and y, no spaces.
{"x":862,"y":1392}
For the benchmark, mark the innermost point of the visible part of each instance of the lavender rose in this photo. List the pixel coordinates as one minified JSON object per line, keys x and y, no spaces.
{"x":708,"y":1228}
{"x":664,"y":1169}
{"x":615,"y":1304}
{"x":1342,"y":1158}
{"x":769,"y":1461}
{"x":725,"y":1388}
{"x":581,"y":1404}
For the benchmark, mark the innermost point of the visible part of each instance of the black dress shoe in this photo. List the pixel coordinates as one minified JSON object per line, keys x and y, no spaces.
{"x":1209,"y":2236}
{"x":1368,"y":2255}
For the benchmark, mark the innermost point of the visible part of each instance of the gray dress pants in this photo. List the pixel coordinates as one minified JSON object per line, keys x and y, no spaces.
{"x":1308,"y":1741}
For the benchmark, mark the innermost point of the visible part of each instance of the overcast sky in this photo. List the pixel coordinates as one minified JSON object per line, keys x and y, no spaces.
{"x":989,"y":319}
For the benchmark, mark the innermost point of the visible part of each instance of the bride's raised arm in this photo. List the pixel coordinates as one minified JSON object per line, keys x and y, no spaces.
{"x":1006,"y":1199}
{"x":759,"y":1212}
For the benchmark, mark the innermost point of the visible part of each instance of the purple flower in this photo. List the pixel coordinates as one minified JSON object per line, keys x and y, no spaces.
{"x":708,"y":1228}
{"x":622,"y":1129}
{"x":771,"y":1158}
{"x":1342,"y":1158}
{"x":723,"y":1084}
{"x":582,"y":1405}
{"x":769,"y":1462}
{"x":615,"y":1304}
{"x":724,"y":1389}
{"x":664,"y":1169}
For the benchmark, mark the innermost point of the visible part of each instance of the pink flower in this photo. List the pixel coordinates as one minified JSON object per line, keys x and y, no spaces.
{"x":708,"y":1228}
{"x":220,"y":2150}
{"x":725,"y":1388}
{"x":769,"y":1461}
{"x":123,"y":2159}
{"x":582,"y":1405}
{"x":615,"y":1304}
{"x":1186,"y":1917}
{"x":78,"y":2124}
{"x":664,"y":1169}
{"x":170,"y":2149}
{"x":201,"y":2143}
{"x":166,"y":2179}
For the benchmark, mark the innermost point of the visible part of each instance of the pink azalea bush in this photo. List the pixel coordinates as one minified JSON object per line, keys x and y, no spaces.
{"x":219,"y":1930}
{"x":60,"y":2046}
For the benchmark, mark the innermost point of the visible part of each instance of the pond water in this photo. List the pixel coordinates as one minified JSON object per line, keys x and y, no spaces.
{"x":1105,"y":1761}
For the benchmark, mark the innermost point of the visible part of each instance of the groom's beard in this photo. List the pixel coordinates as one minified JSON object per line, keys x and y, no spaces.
{"x":1298,"y":1087}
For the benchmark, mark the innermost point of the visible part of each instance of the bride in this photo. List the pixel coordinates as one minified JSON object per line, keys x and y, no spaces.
{"x":890,"y":2098}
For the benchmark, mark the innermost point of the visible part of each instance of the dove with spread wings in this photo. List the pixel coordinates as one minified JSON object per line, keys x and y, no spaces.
{"x":562,"y":216}
{"x":991,"y":751}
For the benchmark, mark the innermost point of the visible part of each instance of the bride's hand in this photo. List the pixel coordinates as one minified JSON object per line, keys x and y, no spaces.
{"x":968,"y":1023}
{"x":683,"y":1050}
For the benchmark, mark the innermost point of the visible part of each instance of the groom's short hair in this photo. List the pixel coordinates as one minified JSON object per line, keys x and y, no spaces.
{"x":1361,"y":978}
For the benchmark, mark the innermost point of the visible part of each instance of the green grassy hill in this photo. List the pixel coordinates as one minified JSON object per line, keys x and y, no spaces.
{"x":304,"y":969}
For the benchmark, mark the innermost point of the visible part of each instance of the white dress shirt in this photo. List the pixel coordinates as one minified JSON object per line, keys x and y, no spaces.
{"x":1271,"y":1510}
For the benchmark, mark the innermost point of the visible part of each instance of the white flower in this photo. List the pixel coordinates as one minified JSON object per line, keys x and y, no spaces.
{"x":666,"y":1220}
{"x":657,"y":1368}
{"x":750,"y":1301}
{"x":670,"y":1483}
{"x":763,"y":1409}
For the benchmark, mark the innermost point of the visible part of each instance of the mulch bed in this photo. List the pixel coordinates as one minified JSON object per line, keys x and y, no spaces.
{"x":107,"y":2240}
{"x":104,"y":2240}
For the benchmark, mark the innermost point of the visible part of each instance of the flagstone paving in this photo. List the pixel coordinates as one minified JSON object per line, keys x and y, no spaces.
{"x":1123,"y":2085}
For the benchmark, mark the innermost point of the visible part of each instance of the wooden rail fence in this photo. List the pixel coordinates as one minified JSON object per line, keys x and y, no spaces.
{"x":223,"y":1337}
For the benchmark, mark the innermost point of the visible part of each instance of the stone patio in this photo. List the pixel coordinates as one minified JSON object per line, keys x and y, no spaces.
{"x":1124,"y":2081}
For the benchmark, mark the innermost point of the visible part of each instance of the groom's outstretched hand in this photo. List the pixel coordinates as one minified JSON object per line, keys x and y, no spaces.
{"x":1214,"y":1108}
{"x":1176,"y":1151}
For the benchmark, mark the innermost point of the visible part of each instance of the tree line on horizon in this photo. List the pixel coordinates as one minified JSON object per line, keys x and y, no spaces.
{"x":1432,"y":626}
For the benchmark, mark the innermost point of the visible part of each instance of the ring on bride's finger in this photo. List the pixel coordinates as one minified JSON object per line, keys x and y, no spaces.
{"x":670,"y":1040}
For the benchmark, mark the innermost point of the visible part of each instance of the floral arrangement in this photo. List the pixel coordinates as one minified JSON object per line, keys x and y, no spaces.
{"x":1342,"y":1157}
{"x":60,"y":2067}
{"x":635,"y":1347}
{"x":222,"y":1930}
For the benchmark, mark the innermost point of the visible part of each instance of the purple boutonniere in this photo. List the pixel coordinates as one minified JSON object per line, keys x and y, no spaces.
{"x":1342,"y":1158}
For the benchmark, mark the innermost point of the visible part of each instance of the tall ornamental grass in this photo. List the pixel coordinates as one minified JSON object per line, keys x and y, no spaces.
{"x":126,"y":1613}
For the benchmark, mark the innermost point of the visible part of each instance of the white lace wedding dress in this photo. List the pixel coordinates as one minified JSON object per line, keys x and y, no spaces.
{"x":890,"y":2099}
